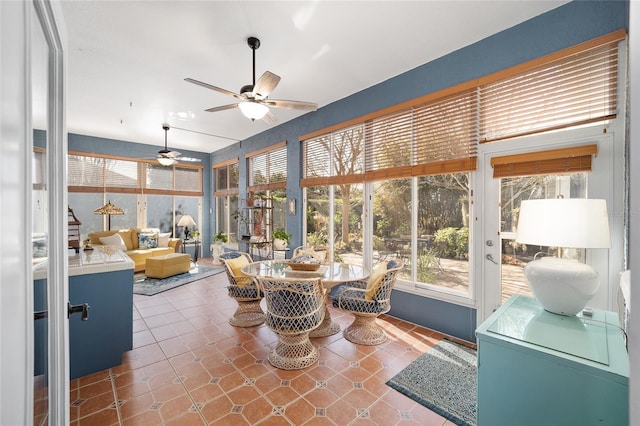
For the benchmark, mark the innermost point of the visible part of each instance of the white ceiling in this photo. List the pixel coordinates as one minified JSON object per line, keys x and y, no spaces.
{"x":128,"y":59}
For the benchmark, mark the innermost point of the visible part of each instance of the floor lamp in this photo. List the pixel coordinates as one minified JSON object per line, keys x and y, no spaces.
{"x":109,"y":209}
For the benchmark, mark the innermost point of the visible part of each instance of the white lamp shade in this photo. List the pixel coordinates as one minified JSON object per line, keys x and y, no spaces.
{"x":564,"y":222}
{"x":253,"y":110}
{"x":164,"y":161}
{"x":186,"y":220}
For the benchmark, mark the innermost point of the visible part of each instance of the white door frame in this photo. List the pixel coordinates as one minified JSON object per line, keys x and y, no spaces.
{"x":605,"y":181}
{"x":16,"y":277}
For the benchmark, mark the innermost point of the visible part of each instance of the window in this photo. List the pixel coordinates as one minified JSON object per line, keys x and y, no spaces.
{"x":226,"y":176}
{"x":268,"y":168}
{"x":417,"y":159}
{"x":148,"y":193}
{"x":336,"y":160}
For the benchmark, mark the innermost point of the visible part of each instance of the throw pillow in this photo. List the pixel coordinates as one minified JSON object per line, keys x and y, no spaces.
{"x":147,"y":241}
{"x":235,"y":265}
{"x":113,"y":240}
{"x":375,"y":280}
{"x":163,"y":239}
{"x":126,"y":237}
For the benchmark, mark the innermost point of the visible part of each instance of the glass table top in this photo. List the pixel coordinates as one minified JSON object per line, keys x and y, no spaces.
{"x":331,"y":273}
{"x":578,"y":335}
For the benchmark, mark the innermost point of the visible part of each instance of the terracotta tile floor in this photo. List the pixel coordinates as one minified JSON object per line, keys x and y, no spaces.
{"x":190,"y":367}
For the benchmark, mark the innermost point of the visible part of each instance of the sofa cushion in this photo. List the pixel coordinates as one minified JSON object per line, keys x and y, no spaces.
{"x":147,"y":241}
{"x":125,"y":234}
{"x":163,"y":239}
{"x":114,"y":240}
{"x":94,"y":237}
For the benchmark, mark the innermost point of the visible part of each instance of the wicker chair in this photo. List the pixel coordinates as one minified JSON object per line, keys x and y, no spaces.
{"x":367,"y":304}
{"x":319,"y":254}
{"x":294,"y":307}
{"x":245,"y":291}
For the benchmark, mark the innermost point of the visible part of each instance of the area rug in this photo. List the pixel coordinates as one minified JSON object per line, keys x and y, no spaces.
{"x":150,"y":286}
{"x":444,"y":380}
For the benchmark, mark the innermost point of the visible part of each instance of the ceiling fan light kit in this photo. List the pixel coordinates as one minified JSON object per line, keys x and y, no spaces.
{"x":253,"y":110}
{"x":169,"y":158}
{"x":252,"y":99}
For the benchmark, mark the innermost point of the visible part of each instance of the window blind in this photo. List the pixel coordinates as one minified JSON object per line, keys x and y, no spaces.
{"x":226,"y":178}
{"x":268,"y":169}
{"x":188,"y":181}
{"x":96,"y":173}
{"x":574,"y":90}
{"x":85,"y":173}
{"x":438,"y":133}
{"x":434,"y":138}
{"x":555,"y":161}
{"x":335,"y":158}
{"x":121,"y":176}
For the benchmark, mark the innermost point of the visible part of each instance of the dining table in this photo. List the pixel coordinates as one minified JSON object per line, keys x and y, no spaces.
{"x":331,"y":274}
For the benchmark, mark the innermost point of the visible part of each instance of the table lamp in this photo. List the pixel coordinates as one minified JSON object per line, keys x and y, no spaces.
{"x":186,"y":221}
{"x":561,"y":285}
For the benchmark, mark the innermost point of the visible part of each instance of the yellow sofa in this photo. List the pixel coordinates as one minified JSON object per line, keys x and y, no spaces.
{"x":130,"y":238}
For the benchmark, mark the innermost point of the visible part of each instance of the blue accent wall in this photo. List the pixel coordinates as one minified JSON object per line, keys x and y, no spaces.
{"x":568,"y":25}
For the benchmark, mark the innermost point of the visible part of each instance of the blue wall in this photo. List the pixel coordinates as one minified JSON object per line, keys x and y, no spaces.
{"x":563,"y":27}
{"x":560,"y":28}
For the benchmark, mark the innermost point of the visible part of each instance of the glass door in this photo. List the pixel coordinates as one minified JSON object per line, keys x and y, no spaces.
{"x":39,"y":223}
{"x":48,"y":216}
{"x":503,"y":258}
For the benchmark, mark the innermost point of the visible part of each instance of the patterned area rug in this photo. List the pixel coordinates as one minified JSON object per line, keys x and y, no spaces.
{"x":444,"y":380}
{"x":150,"y":286}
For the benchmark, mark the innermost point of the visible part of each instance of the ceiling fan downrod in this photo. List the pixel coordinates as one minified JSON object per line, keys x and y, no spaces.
{"x":254,"y":44}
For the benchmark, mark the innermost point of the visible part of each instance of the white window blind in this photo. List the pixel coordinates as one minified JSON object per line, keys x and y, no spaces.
{"x":85,"y":172}
{"x":121,"y":174}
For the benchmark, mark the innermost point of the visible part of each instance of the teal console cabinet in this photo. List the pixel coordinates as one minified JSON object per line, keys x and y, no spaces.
{"x":538,"y":368}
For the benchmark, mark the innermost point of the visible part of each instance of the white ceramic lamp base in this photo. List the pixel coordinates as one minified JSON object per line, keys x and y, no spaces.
{"x":562,"y":286}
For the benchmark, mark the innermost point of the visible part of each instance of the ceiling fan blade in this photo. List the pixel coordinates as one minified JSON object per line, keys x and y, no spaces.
{"x":189,"y":159}
{"x":222,"y":108}
{"x":163,"y":153}
{"x":270,"y":118}
{"x":209,"y":86}
{"x":265,"y":84}
{"x":280,"y":103}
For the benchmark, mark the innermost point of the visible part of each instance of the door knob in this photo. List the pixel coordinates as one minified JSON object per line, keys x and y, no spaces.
{"x":490,"y":258}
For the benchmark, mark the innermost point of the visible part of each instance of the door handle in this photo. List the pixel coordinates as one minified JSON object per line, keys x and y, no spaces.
{"x":84,"y":308}
{"x":490,"y":258}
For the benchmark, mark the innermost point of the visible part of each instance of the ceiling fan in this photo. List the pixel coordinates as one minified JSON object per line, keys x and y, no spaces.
{"x":169,"y":158}
{"x":253,"y":98}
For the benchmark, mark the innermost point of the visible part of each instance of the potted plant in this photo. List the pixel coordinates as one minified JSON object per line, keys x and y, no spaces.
{"x":219,"y":240}
{"x":281,"y":239}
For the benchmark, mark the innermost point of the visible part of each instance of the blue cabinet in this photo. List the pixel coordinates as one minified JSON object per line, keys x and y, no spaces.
{"x":539,"y":368}
{"x":106,"y":284}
